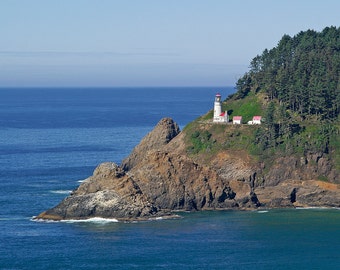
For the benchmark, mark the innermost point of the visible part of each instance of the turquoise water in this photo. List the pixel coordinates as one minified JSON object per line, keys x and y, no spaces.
{"x":50,"y":139}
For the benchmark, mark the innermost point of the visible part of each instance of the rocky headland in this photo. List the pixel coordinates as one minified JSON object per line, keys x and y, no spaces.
{"x":161,"y":177}
{"x":288,"y":159}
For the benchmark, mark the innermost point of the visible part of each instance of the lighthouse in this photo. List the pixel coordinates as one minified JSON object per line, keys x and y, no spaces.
{"x":219,"y":116}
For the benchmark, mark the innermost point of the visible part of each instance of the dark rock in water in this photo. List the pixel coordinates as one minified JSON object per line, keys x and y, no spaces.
{"x":159,"y":177}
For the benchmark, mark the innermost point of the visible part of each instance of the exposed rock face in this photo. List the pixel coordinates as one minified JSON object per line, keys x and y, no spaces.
{"x":298,"y":193}
{"x":159,"y":177}
{"x":162,"y":134}
{"x":309,"y":167}
{"x":109,"y":193}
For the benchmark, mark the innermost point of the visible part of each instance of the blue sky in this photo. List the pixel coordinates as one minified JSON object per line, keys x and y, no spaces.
{"x":146,"y":42}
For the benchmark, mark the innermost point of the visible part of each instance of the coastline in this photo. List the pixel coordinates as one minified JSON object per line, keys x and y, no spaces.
{"x":159,"y":177}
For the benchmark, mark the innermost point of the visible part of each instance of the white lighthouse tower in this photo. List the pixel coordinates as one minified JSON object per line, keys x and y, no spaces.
{"x":219,"y":116}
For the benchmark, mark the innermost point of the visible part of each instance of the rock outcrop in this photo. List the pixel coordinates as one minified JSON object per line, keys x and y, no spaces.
{"x":159,"y":177}
{"x":162,"y":134}
{"x":108,"y":193}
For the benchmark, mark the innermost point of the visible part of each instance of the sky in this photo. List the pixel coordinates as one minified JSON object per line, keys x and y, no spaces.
{"x":114,"y":43}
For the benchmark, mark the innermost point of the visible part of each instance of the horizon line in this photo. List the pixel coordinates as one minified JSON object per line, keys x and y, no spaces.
{"x":94,"y":86}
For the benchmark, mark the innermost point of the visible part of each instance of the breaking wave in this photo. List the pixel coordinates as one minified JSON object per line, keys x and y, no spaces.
{"x":61,"y":191}
{"x":98,"y":220}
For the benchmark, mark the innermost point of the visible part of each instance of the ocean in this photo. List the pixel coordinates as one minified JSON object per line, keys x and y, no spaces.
{"x":51,"y":139}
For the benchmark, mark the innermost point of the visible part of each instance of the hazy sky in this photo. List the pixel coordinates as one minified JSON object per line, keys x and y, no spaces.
{"x":146,"y":42}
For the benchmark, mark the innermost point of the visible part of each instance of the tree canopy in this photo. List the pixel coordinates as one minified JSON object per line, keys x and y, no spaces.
{"x":302,"y":73}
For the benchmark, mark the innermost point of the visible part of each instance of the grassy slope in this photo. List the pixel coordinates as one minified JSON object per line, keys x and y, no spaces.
{"x":247,"y":108}
{"x":205,"y":138}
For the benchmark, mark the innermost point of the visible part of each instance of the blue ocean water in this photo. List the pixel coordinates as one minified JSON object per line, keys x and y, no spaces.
{"x":50,"y":139}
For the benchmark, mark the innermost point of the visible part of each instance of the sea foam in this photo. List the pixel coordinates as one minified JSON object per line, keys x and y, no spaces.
{"x":91,"y":220}
{"x":61,"y":191}
{"x":313,"y":208}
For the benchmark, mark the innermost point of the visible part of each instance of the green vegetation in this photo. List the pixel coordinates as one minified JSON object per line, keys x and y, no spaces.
{"x":299,"y":82}
{"x":207,"y":138}
{"x":295,"y":87}
{"x":247,"y":107}
{"x":201,"y":140}
{"x":302,"y":73}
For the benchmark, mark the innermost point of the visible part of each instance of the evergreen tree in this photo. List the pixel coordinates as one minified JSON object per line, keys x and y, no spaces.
{"x":301,"y":72}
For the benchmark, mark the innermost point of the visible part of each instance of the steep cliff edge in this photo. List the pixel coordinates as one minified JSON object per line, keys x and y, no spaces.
{"x":161,"y":176}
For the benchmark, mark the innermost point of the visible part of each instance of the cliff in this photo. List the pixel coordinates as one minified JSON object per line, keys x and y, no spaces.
{"x":161,"y":176}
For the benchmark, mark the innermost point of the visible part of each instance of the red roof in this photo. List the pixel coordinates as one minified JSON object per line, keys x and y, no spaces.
{"x":237,"y":118}
{"x":222,"y":114}
{"x":218,"y":95}
{"x":257,"y":118}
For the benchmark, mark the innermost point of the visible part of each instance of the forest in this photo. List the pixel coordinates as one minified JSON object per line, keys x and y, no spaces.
{"x":301,"y":73}
{"x":295,"y":86}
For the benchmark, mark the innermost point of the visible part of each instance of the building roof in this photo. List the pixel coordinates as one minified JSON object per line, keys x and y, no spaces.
{"x":257,"y":118}
{"x":237,"y":118}
{"x":222,"y":114}
{"x":218,"y":95}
